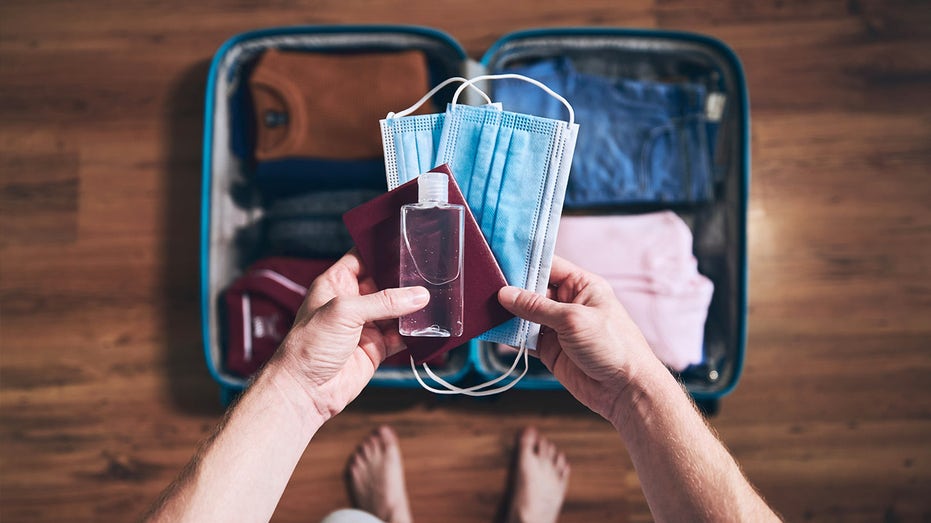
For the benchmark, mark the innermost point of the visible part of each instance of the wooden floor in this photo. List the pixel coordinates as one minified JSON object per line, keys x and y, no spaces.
{"x":104,"y":394}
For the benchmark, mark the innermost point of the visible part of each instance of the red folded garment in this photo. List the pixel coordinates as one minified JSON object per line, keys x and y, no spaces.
{"x":261,"y":306}
{"x":375,"y":227}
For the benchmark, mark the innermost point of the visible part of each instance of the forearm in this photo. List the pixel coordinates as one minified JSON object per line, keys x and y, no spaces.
{"x":240,"y":473}
{"x":685,"y":471}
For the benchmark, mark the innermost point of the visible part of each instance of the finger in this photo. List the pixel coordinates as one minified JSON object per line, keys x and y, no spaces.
{"x":392,"y":340}
{"x":340,"y":277}
{"x":532,"y":306}
{"x":548,"y":349}
{"x":385,"y":304}
{"x":561,"y":270}
{"x":346,"y":276}
{"x":394,"y":344}
{"x":351,"y":262}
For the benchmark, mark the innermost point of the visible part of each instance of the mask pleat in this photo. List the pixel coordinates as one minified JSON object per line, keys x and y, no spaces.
{"x":491,"y":199}
{"x":425,"y":151}
{"x":482,"y":126}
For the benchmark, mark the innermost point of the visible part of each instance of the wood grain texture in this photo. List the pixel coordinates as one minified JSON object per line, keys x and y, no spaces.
{"x":104,"y":394}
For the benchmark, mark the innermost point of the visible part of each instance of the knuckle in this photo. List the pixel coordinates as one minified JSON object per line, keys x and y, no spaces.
{"x":343,"y":307}
{"x":335,"y":307}
{"x":387,"y":300}
{"x":576,"y":318}
{"x":533,"y":302}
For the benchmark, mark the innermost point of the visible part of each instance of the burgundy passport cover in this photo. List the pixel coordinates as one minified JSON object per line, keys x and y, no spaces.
{"x":375,"y":226}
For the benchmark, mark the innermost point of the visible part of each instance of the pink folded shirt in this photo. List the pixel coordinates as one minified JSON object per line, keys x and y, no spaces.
{"x":648,"y":261}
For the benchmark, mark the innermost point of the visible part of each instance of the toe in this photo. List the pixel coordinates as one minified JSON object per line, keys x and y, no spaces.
{"x":528,"y":436}
{"x":547,"y":449}
{"x":358,"y":456}
{"x":356,"y":473}
{"x":387,"y":434}
{"x":387,"y":438}
{"x":528,"y":440}
{"x":355,"y":480}
{"x":369,"y":448}
{"x":562,"y":466}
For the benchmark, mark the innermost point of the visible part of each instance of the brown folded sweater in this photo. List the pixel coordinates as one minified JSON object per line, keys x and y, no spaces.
{"x":328,"y":105}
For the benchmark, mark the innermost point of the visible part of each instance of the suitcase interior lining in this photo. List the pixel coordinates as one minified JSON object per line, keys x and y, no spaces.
{"x":236,"y":208}
{"x":716,"y":225}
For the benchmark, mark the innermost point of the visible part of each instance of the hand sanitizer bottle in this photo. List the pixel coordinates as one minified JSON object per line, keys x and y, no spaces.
{"x":431,"y":256}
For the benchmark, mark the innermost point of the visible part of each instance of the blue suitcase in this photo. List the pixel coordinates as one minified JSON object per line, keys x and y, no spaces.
{"x":720,"y":222}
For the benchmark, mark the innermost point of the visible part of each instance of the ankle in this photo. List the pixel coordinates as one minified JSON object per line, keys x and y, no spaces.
{"x":399,"y":515}
{"x":519,"y":515}
{"x":527,"y":514}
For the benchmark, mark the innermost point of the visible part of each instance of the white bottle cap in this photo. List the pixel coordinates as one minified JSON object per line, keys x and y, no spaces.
{"x":433,"y":187}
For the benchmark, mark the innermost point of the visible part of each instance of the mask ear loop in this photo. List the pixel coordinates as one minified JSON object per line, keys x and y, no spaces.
{"x":435,"y":90}
{"x":513,"y":76}
{"x":475,"y":390}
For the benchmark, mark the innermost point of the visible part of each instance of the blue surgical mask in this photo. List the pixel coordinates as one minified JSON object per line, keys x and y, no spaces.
{"x":411,"y":142}
{"x":512,"y":169}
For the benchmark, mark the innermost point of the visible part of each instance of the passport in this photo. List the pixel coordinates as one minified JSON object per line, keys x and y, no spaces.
{"x":375,"y":227}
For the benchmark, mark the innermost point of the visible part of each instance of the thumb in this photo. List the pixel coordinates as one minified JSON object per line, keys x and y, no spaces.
{"x":532,"y":306}
{"x":387,"y":303}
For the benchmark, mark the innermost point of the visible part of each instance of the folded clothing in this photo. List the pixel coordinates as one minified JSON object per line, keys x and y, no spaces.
{"x":283,"y":178}
{"x":310,"y":225}
{"x":648,"y":261}
{"x":639,"y":141}
{"x":327,"y":105}
{"x":261,"y":306}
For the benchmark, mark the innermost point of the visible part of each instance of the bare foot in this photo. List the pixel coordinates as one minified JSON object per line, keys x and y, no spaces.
{"x":538,"y":481}
{"x":376,"y":477}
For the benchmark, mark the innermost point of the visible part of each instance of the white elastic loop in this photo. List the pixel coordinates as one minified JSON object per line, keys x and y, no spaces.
{"x":514,"y":76}
{"x":432,"y":92}
{"x":474,"y":390}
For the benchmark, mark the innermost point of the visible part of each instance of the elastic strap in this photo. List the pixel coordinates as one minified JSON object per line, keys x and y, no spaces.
{"x":513,"y":76}
{"x":435,"y":90}
{"x":475,"y":390}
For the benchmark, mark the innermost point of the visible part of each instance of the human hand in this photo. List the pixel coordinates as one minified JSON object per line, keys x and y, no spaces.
{"x":589,"y":341}
{"x":343,"y":331}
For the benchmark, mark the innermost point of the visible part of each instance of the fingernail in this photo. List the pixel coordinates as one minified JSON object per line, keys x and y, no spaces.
{"x":417,"y":296}
{"x":508,"y":294}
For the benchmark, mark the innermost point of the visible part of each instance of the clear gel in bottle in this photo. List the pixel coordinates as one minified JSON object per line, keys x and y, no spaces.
{"x":431,"y":257}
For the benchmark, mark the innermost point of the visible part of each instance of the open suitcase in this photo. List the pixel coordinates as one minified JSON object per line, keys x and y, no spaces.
{"x":718,"y":226}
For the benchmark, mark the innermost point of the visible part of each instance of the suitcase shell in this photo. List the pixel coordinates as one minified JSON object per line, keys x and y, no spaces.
{"x":225,"y":210}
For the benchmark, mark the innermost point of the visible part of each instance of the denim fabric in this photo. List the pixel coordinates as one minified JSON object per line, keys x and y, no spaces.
{"x":639,"y":141}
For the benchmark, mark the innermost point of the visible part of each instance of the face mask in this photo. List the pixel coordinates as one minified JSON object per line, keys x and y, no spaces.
{"x":512,"y":169}
{"x":411,"y":142}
